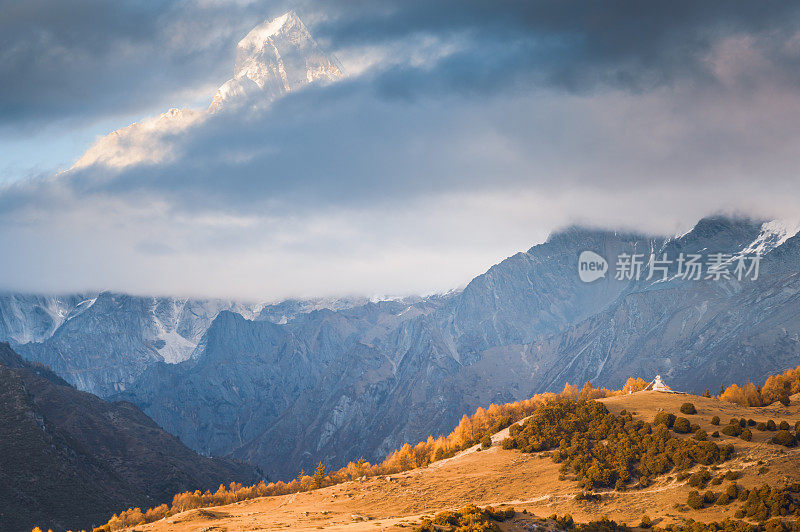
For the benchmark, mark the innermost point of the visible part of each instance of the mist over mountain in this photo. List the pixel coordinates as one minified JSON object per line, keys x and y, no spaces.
{"x":434,"y":149}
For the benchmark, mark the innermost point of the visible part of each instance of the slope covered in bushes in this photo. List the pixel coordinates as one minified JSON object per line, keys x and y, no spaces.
{"x":603,"y":450}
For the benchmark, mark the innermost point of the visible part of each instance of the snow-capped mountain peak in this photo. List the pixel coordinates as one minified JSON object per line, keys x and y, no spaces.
{"x":276,"y":57}
{"x":257,"y":38}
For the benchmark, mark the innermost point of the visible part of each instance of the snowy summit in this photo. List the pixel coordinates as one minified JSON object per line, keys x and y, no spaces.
{"x":276,"y":57}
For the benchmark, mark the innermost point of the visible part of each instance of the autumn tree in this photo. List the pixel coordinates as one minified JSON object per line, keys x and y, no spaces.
{"x":319,"y":476}
{"x":634,"y":385}
{"x":747,"y":395}
{"x":569,"y":392}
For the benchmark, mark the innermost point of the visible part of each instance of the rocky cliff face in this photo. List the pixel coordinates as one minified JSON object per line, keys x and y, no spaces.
{"x":536,"y":294}
{"x":28,"y":318}
{"x":103,"y":342}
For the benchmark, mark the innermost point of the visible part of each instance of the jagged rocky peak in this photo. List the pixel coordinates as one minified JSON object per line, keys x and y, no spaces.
{"x":276,"y":57}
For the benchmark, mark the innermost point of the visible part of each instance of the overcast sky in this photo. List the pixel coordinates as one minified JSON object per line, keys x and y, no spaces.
{"x":465,"y":131}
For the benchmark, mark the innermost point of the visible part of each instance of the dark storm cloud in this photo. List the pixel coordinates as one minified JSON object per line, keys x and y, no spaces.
{"x":348,"y":146}
{"x":90,"y":59}
{"x":343,"y":144}
{"x":85,"y":60}
{"x":472,"y":126}
{"x":409,"y":127}
{"x":575,"y":45}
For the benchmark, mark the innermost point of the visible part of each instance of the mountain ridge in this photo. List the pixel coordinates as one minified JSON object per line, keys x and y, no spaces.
{"x":297,"y":381}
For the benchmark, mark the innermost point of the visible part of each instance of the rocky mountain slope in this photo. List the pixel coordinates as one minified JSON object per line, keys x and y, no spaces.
{"x":69,"y":459}
{"x":697,"y":333}
{"x":101,"y":343}
{"x":28,"y":318}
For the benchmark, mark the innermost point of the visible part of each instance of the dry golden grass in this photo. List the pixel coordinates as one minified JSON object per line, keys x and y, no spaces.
{"x":509,"y":478}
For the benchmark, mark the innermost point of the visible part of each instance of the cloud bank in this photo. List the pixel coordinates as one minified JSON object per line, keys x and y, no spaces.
{"x":466,"y":131}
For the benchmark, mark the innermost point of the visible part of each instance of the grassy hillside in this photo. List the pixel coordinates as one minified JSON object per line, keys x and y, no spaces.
{"x":533,"y":482}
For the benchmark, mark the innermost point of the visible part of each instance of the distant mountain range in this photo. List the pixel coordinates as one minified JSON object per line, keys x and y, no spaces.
{"x":68,"y":459}
{"x":284,"y":386}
